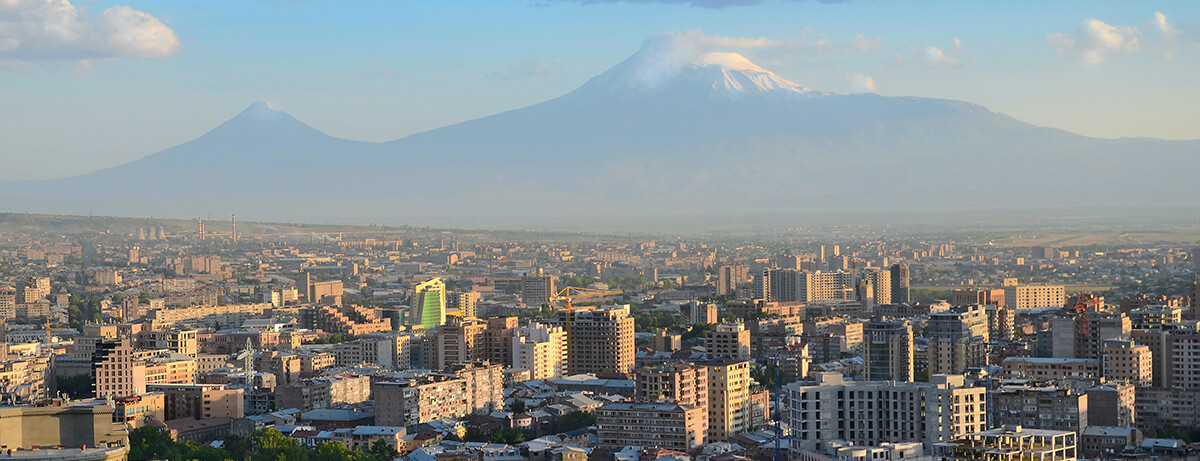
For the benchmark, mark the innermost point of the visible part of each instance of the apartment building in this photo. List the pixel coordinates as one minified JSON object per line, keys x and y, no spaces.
{"x":869,"y":413}
{"x":598,"y":339}
{"x":651,"y":425}
{"x":727,"y":340}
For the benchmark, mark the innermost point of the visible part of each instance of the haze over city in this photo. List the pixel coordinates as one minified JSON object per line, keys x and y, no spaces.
{"x":599,"y":230}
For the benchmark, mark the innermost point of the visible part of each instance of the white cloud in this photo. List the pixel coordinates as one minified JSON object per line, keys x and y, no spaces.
{"x":860,"y":83}
{"x":934,"y":57}
{"x":44,"y":30}
{"x":528,"y":69}
{"x":1095,"y":42}
{"x":867,"y":45}
{"x":1169,"y":34}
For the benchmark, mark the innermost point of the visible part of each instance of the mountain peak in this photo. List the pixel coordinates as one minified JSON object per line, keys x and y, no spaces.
{"x":712,"y":75}
{"x":261,"y":121}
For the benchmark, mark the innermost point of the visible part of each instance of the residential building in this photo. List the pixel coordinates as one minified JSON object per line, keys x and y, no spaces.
{"x":460,"y":340}
{"x":727,"y":340}
{"x":1127,"y":361}
{"x":1021,"y":297}
{"x":598,"y":339}
{"x":115,"y":373}
{"x":1025,"y":404}
{"x":900,"y":281}
{"x":869,"y":413}
{"x":730,"y":276}
{"x":540,"y":349}
{"x":984,"y":296}
{"x":419,"y":400}
{"x":651,"y":425}
{"x":729,"y":409}
{"x":537,"y":290}
{"x":888,"y":350}
{"x":958,"y":340}
{"x":1046,"y":368}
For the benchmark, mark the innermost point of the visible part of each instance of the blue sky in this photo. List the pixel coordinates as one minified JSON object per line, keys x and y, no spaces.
{"x":130,"y":78}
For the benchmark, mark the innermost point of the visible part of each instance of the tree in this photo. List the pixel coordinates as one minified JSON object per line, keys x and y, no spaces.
{"x":151,"y":443}
{"x":475,"y":434}
{"x":77,"y":387}
{"x":571,"y":421}
{"x":381,"y":450}
{"x":333,"y":451}
{"x":518,"y":406}
{"x":508,"y":435}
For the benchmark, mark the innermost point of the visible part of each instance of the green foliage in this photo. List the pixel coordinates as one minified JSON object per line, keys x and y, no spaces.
{"x":475,"y":434}
{"x":764,"y":375}
{"x":77,"y":387}
{"x":518,"y":406}
{"x":698,"y":331}
{"x":571,"y":421}
{"x":1189,"y":435}
{"x":334,"y":338}
{"x":508,"y":435}
{"x":652,"y":321}
{"x":148,"y":443}
{"x":922,"y":377}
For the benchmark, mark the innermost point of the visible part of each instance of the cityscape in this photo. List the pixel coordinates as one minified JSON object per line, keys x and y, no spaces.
{"x":615,"y":230}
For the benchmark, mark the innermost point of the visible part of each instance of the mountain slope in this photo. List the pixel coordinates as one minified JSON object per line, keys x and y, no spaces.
{"x":712,"y":133}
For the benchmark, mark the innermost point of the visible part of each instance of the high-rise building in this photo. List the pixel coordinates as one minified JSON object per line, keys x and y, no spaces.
{"x":900,"y":280}
{"x":684,"y":383}
{"x":1001,"y":321}
{"x":465,"y":303}
{"x":537,"y":290}
{"x":428,"y":304}
{"x":729,"y":405}
{"x":1031,"y":296}
{"x":598,"y":339}
{"x":986,"y":296}
{"x":539,"y":349}
{"x":888,"y":350}
{"x":419,"y":400}
{"x":460,"y":340}
{"x":115,"y":373}
{"x":730,"y":276}
{"x":958,"y":340}
{"x":697,"y":312}
{"x":669,"y":426}
{"x":728,"y":341}
{"x":789,"y":285}
{"x":880,"y":282}
{"x":1039,"y":407}
{"x":1126,"y":361}
{"x":868,"y":413}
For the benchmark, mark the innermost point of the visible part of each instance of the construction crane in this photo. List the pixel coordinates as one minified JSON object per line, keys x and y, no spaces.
{"x":570,"y":294}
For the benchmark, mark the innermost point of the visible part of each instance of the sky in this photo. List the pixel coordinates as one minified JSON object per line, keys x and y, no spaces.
{"x":86,"y":85}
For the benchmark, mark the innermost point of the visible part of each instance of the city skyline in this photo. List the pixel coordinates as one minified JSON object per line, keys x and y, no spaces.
{"x":164,"y":71}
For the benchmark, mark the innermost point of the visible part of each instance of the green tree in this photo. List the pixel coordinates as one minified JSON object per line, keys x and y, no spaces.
{"x":571,"y":421}
{"x":382,"y":451}
{"x":475,"y":434}
{"x":333,"y":451}
{"x":151,"y":443}
{"x":77,"y":387}
{"x":518,"y":406}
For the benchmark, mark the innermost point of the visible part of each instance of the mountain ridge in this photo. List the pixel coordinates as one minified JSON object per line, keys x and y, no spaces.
{"x":713,"y":132}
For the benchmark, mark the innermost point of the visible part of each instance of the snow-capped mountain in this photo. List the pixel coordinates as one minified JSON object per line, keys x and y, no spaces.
{"x":714,"y":74}
{"x":707,"y":133}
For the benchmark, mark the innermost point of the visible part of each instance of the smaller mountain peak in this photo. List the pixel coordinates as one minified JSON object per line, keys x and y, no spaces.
{"x":263,"y":109}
